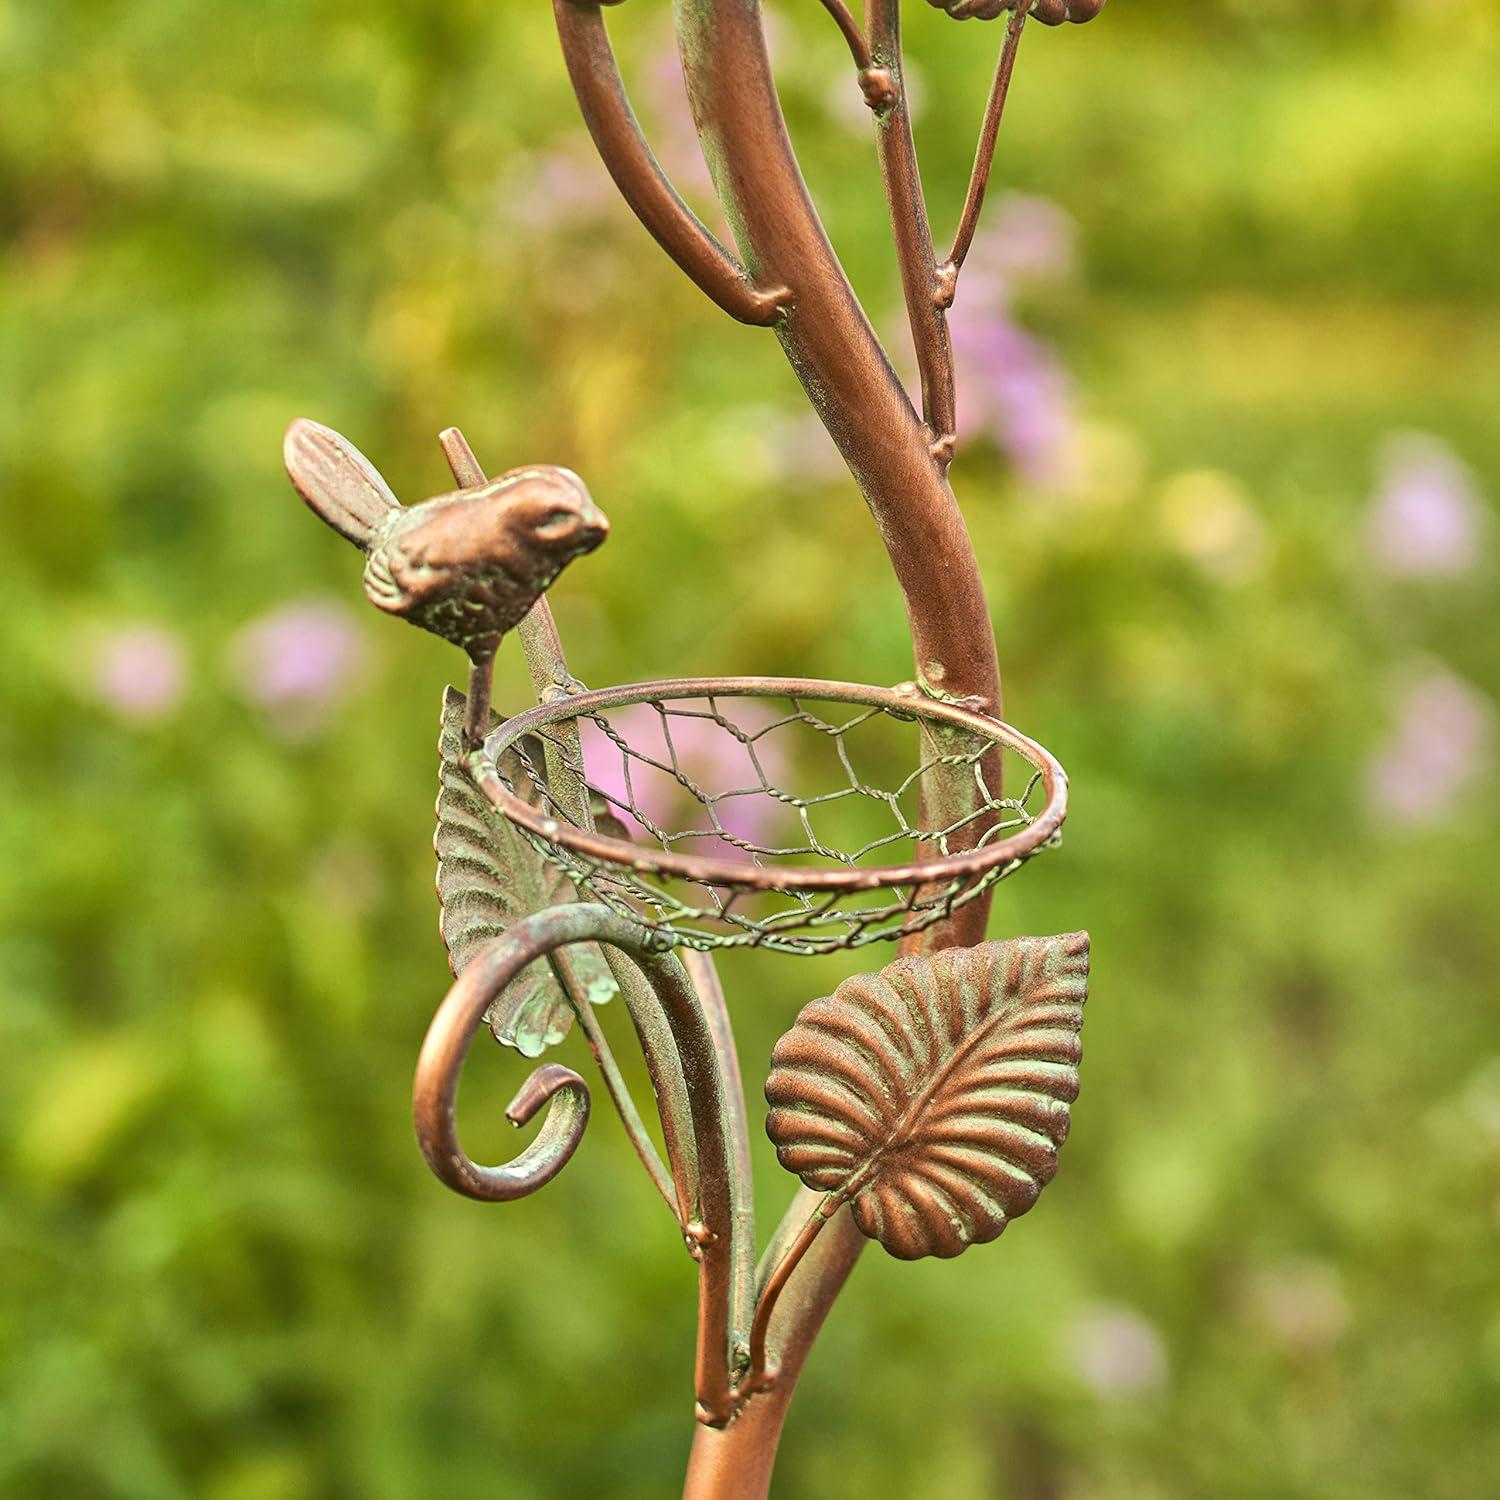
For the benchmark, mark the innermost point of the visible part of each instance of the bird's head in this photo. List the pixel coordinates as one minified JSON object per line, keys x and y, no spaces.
{"x":553,"y":509}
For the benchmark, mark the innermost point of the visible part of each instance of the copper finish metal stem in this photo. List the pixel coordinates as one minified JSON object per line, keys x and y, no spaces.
{"x":675,"y":1035}
{"x":984,"y":156}
{"x":770,"y":1293}
{"x":477,"y":707}
{"x":606,"y":110}
{"x":614,"y":1085}
{"x":736,"y":1464}
{"x":705,"y":976}
{"x":838,"y":359}
{"x":925,"y":307}
{"x":859,"y":48}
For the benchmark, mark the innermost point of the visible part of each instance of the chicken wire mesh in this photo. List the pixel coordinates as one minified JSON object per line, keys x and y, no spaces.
{"x":798,"y":816}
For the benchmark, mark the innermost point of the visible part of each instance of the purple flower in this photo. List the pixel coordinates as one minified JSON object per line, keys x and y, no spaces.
{"x":1117,"y":1353}
{"x":140,"y":672}
{"x":708,"y":755}
{"x":296,"y":661}
{"x":1012,"y":388}
{"x":1438,"y":747}
{"x":1426,"y":520}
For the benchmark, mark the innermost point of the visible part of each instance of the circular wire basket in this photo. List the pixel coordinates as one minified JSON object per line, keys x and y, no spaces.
{"x":799,"y":816}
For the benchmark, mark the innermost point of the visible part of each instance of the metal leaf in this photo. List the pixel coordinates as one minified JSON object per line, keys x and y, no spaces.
{"x":489,"y":877}
{"x":933,"y":1096}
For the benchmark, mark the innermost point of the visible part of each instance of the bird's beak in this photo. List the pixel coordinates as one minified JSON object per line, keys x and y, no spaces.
{"x":595,"y":528}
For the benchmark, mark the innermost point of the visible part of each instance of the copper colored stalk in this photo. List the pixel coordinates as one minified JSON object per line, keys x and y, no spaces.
{"x":835,"y":354}
{"x":736,"y":1463}
{"x":676,"y":1034}
{"x":705,"y":976}
{"x":606,"y":110}
{"x":859,"y":48}
{"x":925,"y":307}
{"x":984,"y":157}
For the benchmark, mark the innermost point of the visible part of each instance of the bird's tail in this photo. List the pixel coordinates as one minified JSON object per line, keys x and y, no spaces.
{"x":337,"y":481}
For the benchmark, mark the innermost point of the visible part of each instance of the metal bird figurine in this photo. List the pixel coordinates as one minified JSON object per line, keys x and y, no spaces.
{"x":467,"y":566}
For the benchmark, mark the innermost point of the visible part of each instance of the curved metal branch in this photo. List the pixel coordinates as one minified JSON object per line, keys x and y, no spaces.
{"x":596,"y":80}
{"x":540,"y":1162}
{"x":762,"y":1372}
{"x":679,"y":1041}
{"x":925,"y":307}
{"x":859,"y":48}
{"x":842,"y":367}
{"x":984,"y":156}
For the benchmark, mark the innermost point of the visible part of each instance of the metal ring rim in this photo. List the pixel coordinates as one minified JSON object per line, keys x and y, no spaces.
{"x":703,"y":870}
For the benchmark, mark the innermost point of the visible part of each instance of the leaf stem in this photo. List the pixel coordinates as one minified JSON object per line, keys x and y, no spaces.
{"x":759,"y":1376}
{"x":705,"y":976}
{"x":477,"y":704}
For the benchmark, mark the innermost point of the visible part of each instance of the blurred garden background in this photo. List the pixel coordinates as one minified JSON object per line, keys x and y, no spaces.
{"x":1231,"y":374}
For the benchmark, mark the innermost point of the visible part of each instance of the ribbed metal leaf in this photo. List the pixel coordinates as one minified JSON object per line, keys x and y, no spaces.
{"x":933,"y":1096}
{"x":489,"y":877}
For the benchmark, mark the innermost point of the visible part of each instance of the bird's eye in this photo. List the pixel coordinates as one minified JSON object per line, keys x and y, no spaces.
{"x":555,"y":525}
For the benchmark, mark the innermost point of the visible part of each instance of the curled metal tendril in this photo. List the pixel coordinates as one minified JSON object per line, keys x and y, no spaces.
{"x":688,"y":1076}
{"x":559,"y":1089}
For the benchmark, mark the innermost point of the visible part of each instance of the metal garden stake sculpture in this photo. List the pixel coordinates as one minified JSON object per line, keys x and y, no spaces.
{"x":922,"y":1105}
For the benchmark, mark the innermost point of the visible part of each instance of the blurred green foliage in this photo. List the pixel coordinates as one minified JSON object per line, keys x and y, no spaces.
{"x":1269,"y":1265}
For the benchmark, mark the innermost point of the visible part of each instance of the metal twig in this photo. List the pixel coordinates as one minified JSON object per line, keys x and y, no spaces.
{"x":760,"y":1374}
{"x":617,"y":1089}
{"x":925,"y":309}
{"x":984,"y":157}
{"x":859,"y":47}
{"x":678,"y":1042}
{"x":644,"y":185}
{"x":705,"y":976}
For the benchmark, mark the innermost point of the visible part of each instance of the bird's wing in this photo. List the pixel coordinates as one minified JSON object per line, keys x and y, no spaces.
{"x":337,"y":481}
